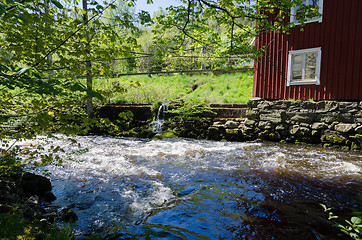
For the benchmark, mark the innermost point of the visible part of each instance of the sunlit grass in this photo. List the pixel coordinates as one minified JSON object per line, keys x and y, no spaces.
{"x":226,"y":88}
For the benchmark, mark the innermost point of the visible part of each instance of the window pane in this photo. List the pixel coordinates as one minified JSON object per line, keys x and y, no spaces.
{"x":310,"y":73}
{"x":305,"y":12}
{"x":310,"y":68}
{"x":300,"y":11}
{"x":297,"y":66}
{"x":311,"y":59}
{"x":313,"y":3}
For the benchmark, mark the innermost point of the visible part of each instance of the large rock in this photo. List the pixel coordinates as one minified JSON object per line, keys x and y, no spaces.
{"x":334,"y":138}
{"x":319,"y":126}
{"x":254,"y":102}
{"x":281,"y":104}
{"x":281,"y":127}
{"x":274,"y":117}
{"x":299,"y":131}
{"x":265,"y":125}
{"x":303,"y":117}
{"x":35,"y":184}
{"x":350,"y":107}
{"x":345,"y":128}
{"x":252,"y":114}
{"x":215,"y":133}
{"x":68,"y":215}
{"x":326,"y":118}
{"x":327,"y":106}
{"x":249,"y":123}
{"x":231,"y":124}
{"x":346,"y":118}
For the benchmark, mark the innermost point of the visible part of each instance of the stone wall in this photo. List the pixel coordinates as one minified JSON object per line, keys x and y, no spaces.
{"x":329,"y":123}
{"x":324,"y":122}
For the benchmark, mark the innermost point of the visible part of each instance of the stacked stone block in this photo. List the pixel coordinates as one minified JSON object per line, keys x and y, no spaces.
{"x":327,"y":122}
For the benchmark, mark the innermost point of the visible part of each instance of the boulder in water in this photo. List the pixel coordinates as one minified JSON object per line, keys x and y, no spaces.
{"x":35,"y":184}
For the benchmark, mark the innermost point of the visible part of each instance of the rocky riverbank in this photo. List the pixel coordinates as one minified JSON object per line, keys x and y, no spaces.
{"x":27,"y":196}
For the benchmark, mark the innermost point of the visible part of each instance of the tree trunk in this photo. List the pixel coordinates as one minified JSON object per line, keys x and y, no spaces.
{"x":90,"y":111}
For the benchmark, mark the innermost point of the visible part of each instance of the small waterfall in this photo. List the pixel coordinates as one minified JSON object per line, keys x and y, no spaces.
{"x":157,"y":124}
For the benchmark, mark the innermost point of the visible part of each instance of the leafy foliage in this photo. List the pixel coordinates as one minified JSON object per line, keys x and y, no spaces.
{"x":184,"y":111}
{"x":223,"y":28}
{"x":47,"y":29}
{"x":9,"y":162}
{"x":45,"y":46}
{"x":14,"y":226}
{"x":353,"y":227}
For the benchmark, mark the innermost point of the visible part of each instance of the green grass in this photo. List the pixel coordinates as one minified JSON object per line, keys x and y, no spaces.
{"x":15,"y":226}
{"x":226,"y":88}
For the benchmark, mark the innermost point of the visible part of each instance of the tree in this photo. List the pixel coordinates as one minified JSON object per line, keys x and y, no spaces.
{"x":31,"y":31}
{"x":241,"y":20}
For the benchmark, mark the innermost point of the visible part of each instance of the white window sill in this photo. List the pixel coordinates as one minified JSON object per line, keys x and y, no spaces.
{"x":305,"y":82}
{"x":308,"y":21}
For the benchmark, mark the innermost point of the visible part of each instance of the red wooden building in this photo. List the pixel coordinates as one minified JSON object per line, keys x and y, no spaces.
{"x":322,"y":62}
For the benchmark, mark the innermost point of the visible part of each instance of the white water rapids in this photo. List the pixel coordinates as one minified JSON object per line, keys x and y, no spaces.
{"x":192,"y":189}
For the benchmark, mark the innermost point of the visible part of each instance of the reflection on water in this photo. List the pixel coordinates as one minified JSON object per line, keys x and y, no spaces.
{"x":192,"y":189}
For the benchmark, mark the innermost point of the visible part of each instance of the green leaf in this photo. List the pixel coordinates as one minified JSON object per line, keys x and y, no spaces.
{"x":2,"y":8}
{"x":76,"y":87}
{"x":95,"y":94}
{"x":356,"y":220}
{"x":57,"y":4}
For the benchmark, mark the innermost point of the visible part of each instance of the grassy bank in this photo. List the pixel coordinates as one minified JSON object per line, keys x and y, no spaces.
{"x":226,"y":88}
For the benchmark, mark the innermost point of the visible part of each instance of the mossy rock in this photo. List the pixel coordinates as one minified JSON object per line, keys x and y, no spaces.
{"x":232,"y":131}
{"x":335,"y":140}
{"x":163,"y":135}
{"x":270,"y":135}
{"x":327,"y":145}
{"x":274,"y":136}
{"x":264,"y":135}
{"x":356,"y":146}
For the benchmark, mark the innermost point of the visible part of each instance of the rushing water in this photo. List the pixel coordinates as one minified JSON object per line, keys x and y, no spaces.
{"x":198,"y":189}
{"x":157,"y":124}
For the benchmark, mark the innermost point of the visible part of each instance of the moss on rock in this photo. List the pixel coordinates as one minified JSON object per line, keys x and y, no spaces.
{"x":163,"y":135}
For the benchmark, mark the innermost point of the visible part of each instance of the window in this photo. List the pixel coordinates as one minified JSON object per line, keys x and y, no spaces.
{"x":304,"y":66}
{"x":297,"y":13}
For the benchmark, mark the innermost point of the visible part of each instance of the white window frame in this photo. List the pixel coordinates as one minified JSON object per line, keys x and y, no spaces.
{"x":316,"y":80}
{"x":293,"y":14}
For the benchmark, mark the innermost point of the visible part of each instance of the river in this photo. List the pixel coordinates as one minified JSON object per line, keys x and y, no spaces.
{"x":198,"y":189}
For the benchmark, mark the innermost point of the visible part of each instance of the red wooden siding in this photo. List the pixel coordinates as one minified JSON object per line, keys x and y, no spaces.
{"x":340,"y":37}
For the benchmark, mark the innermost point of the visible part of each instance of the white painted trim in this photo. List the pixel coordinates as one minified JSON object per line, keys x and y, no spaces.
{"x":293,"y":13}
{"x":315,"y":81}
{"x":289,"y":75}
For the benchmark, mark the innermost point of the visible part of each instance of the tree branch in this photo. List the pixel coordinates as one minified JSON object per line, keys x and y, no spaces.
{"x":228,"y":12}
{"x":71,"y":35}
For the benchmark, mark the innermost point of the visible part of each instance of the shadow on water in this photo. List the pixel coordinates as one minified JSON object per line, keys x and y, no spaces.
{"x":258,"y":205}
{"x":290,"y":208}
{"x":191,"y":189}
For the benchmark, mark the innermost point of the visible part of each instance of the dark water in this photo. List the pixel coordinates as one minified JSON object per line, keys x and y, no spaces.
{"x":195,"y":189}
